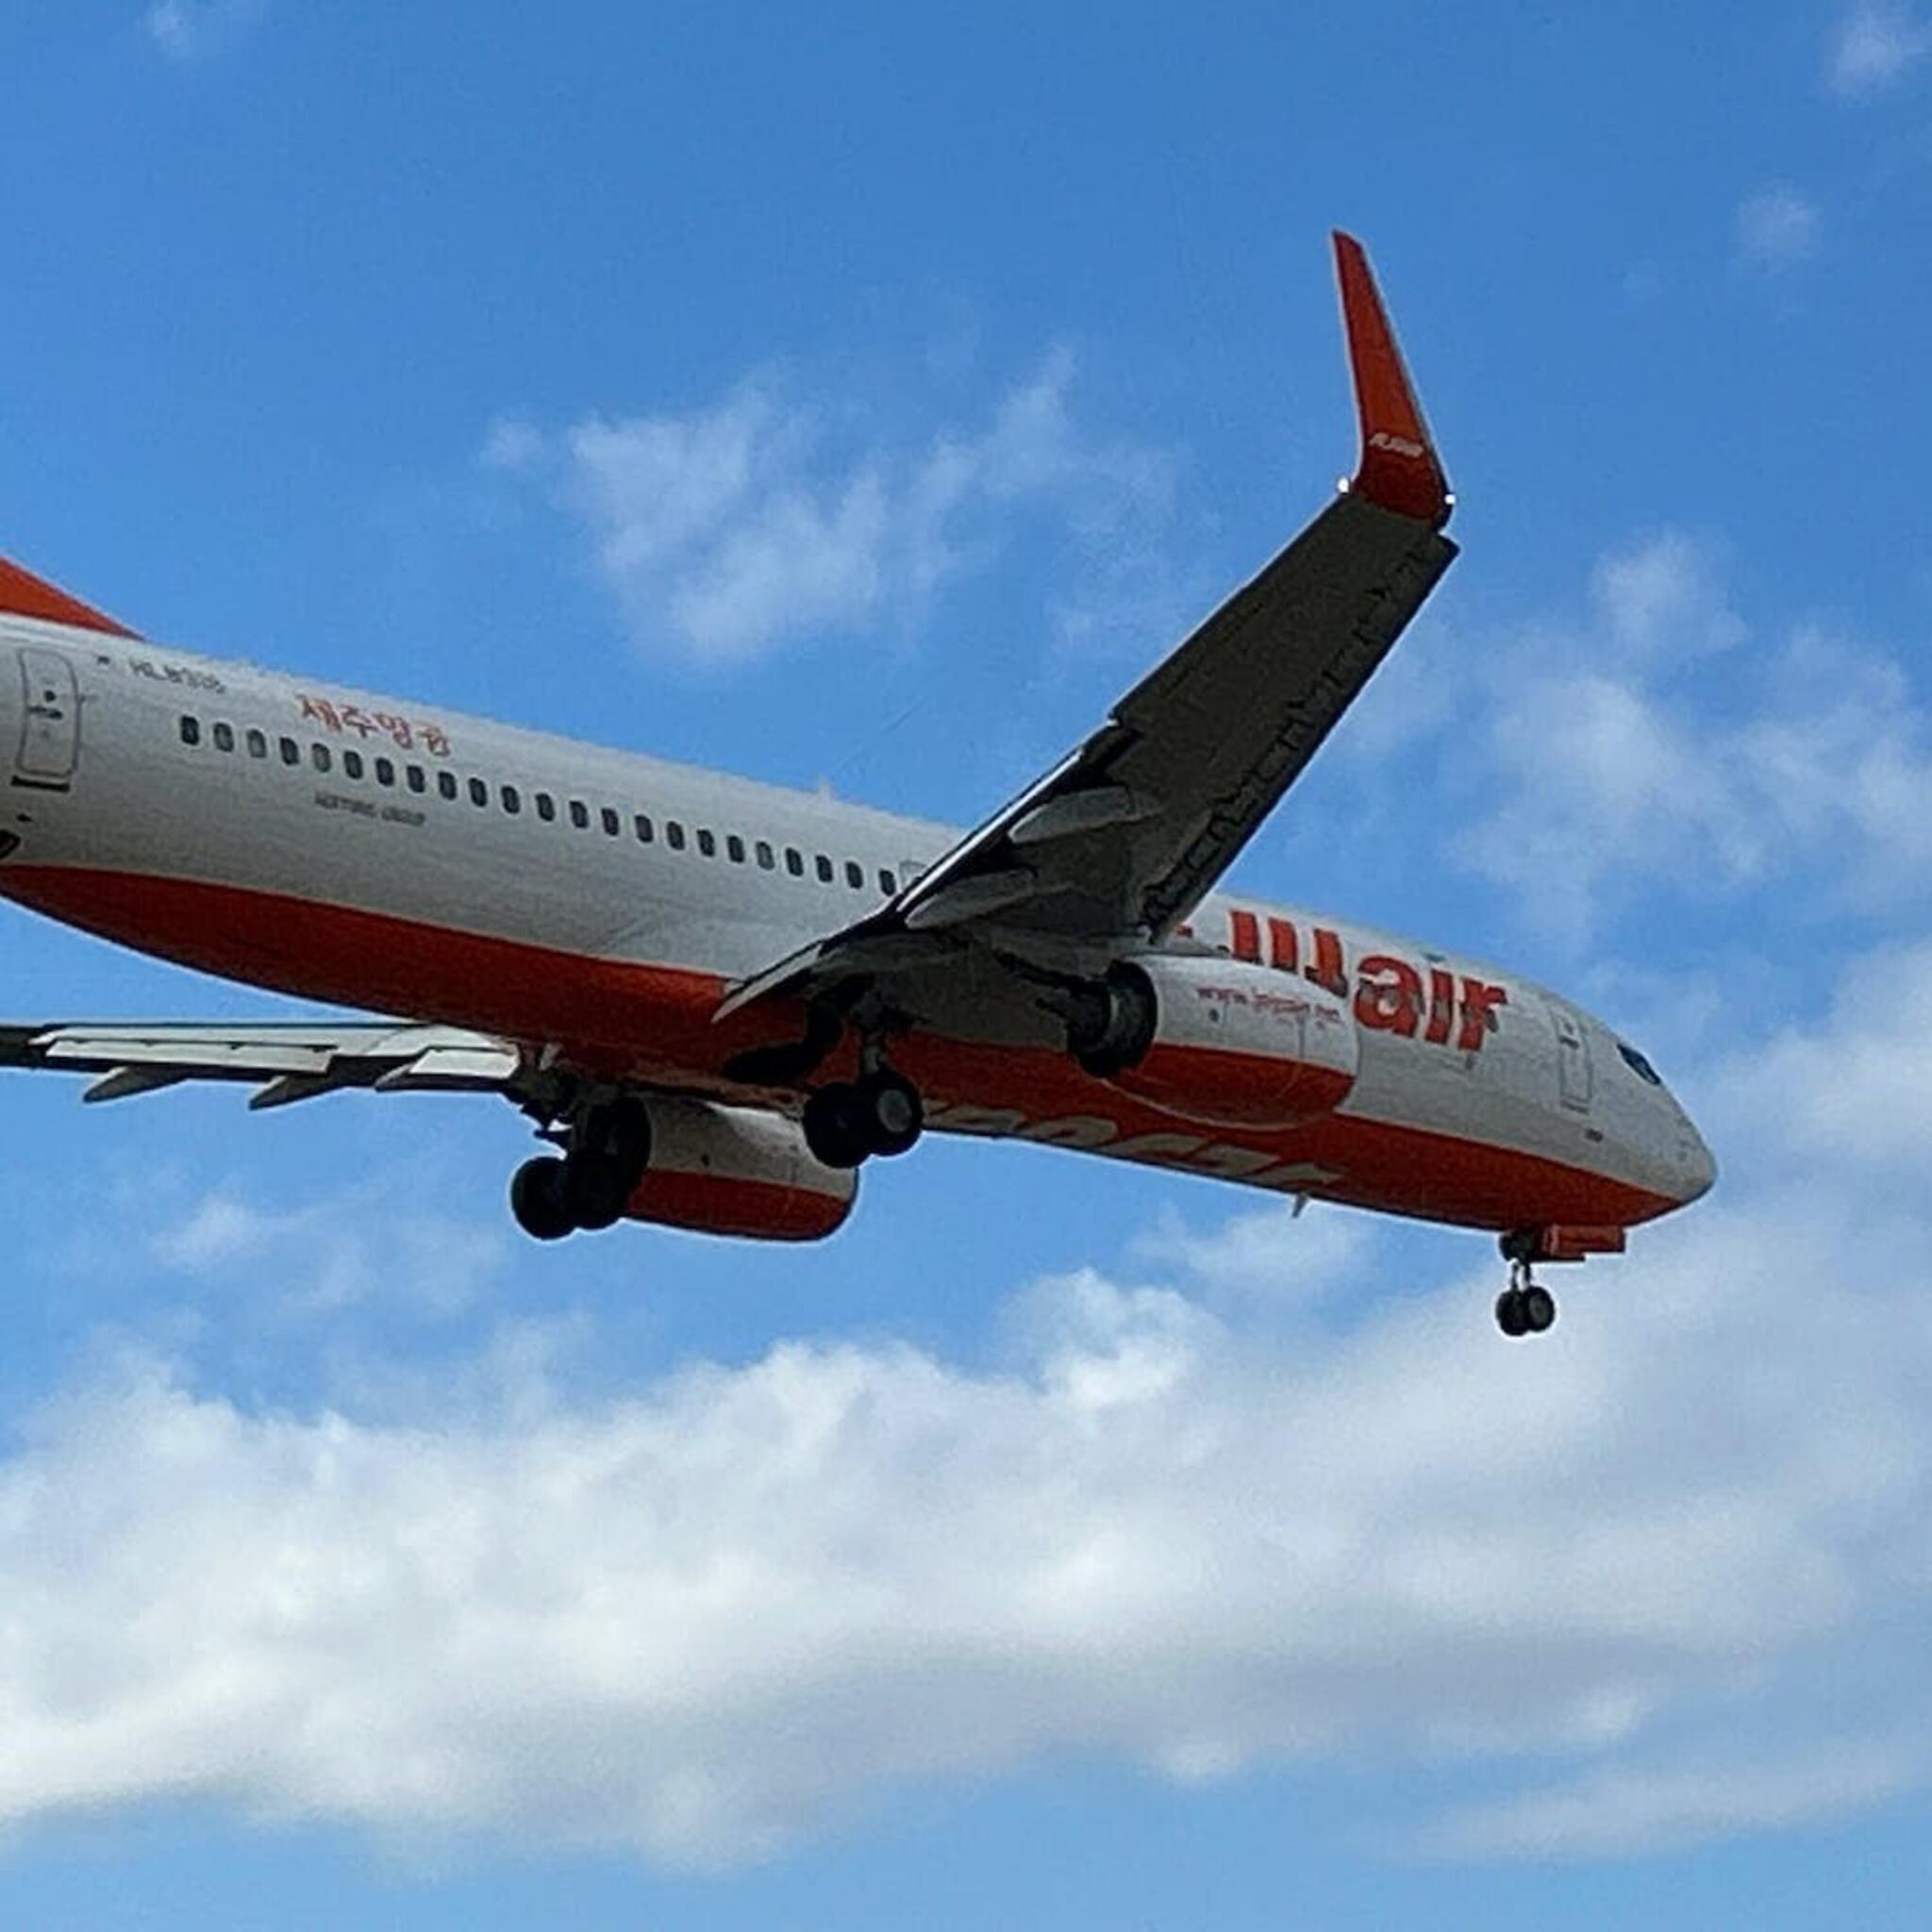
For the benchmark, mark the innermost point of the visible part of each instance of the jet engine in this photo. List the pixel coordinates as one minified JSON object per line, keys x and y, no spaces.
{"x":736,"y":1170}
{"x":1218,"y":1042}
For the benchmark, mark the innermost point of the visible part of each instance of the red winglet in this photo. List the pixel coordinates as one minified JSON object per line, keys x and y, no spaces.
{"x":1398,"y":467}
{"x":22,"y":594}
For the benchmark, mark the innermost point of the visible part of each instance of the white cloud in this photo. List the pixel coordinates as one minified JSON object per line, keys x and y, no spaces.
{"x":190,"y":29}
{"x":218,"y":1230}
{"x":1778,"y":227}
{"x":1604,"y":769}
{"x":732,"y":528}
{"x":1857,"y":1091}
{"x":1667,"y":1808}
{"x":332,"y":1254}
{"x":1664,"y":595}
{"x":1270,"y":1257}
{"x":1873,"y":45}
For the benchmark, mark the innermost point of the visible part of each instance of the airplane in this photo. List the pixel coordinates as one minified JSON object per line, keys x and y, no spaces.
{"x":716,"y":1000}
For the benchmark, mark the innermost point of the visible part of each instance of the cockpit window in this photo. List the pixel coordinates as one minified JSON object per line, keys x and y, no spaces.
{"x":1638,"y":1065}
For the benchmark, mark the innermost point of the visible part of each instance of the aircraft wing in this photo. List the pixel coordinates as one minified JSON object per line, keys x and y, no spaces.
{"x":284,"y":1062}
{"x":1119,"y":841}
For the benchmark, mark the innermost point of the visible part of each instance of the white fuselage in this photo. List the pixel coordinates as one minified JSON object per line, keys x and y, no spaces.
{"x":343,"y":846}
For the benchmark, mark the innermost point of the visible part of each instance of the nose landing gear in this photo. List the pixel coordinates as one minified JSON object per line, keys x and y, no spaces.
{"x":1525,"y":1307}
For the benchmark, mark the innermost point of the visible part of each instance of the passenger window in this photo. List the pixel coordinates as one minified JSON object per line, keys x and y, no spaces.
{"x":645,"y":830}
{"x":385,"y":772}
{"x":191,"y":729}
{"x":580,"y":814}
{"x":674,"y":835}
{"x":888,"y":884}
{"x":318,"y":757}
{"x":479,"y":793}
{"x":734,"y":847}
{"x":446,"y":784}
{"x":706,"y":844}
{"x":794,"y":862}
{"x":825,"y":869}
{"x":258,"y":745}
{"x":418,"y":778}
{"x":609,"y":821}
{"x":291,"y":752}
{"x":352,"y":763}
{"x":855,"y":875}
{"x":546,"y":807}
{"x":512,"y":800}
{"x":767,"y":860}
{"x":225,"y":738}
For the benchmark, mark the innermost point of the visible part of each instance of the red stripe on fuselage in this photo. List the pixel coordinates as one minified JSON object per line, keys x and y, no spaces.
{"x":653,"y":1023}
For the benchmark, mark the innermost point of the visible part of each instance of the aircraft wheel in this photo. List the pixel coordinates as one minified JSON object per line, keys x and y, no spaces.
{"x":597,"y":1186}
{"x":1511,"y":1317}
{"x":835,"y":1126}
{"x":538,"y":1199}
{"x":1539,"y":1307}
{"x":890,"y":1113}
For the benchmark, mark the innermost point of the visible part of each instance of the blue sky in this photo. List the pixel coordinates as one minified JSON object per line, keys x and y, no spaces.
{"x":868,"y":401}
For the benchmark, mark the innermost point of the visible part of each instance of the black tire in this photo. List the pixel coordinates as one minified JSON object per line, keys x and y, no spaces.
{"x":540,"y":1200}
{"x":835,"y":1128}
{"x":889,"y":1111}
{"x":598,"y":1187}
{"x":1510,"y":1317}
{"x":1538,"y":1309}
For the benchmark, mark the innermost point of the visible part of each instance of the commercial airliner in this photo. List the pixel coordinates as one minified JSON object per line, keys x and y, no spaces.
{"x":716,"y":1000}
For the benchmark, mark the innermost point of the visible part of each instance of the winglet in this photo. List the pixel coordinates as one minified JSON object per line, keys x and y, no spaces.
{"x":22,"y":594}
{"x":1398,"y":469}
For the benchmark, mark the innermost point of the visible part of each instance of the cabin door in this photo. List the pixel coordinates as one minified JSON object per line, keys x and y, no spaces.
{"x":1572,"y":1058}
{"x":49,"y":721}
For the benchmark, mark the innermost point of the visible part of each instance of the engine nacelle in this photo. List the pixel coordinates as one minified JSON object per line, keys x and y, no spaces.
{"x":1219,"y":1043}
{"x":737,"y":1171}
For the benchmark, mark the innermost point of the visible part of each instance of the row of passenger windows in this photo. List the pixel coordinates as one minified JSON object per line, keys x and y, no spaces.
{"x":510,"y":799}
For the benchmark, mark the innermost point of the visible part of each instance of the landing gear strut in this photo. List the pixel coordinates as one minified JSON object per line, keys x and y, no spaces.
{"x":846,"y":1122}
{"x":606,"y":1150}
{"x":1525,"y":1307}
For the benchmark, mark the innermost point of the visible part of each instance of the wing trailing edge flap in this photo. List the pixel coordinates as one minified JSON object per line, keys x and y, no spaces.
{"x":284,"y":1062}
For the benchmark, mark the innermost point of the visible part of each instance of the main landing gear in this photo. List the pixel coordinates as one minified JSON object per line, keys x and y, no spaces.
{"x":848,"y":1122}
{"x":1525,"y":1307}
{"x":588,"y":1186}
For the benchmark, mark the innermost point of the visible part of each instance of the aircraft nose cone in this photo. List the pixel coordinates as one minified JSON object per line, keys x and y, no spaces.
{"x":1698,"y":1166}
